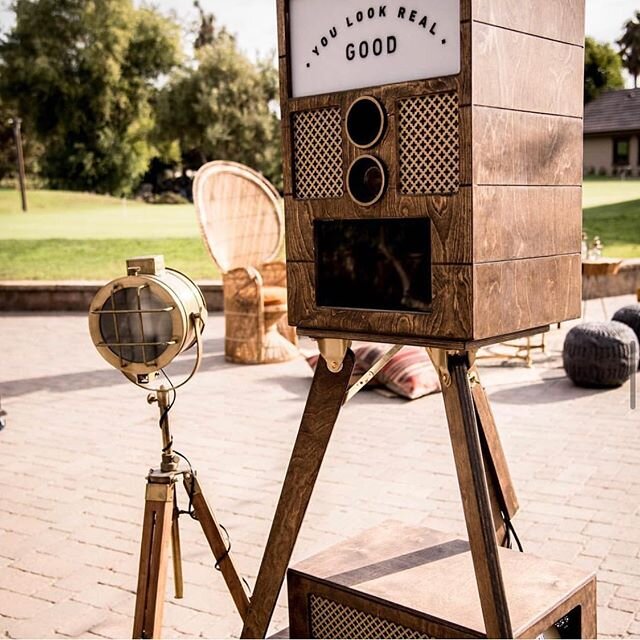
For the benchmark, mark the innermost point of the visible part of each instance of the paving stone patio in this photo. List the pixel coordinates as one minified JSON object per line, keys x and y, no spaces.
{"x":80,"y":440}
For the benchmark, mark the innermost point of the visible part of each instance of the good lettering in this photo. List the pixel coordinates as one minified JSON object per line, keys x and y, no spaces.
{"x":375,"y":48}
{"x":385,"y":45}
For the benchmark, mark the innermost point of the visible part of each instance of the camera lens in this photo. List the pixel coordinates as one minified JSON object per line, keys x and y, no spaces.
{"x":366,"y":122}
{"x":366,"y":180}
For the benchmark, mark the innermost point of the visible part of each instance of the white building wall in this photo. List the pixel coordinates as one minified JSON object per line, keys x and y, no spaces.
{"x":634,"y":153}
{"x":598,"y":155}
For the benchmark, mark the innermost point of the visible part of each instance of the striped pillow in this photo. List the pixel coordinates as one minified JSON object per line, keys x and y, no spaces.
{"x":408,"y":374}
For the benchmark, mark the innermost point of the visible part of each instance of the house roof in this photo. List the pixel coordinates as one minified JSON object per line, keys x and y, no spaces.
{"x":613,"y":112}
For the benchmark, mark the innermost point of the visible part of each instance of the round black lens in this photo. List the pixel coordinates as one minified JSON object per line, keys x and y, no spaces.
{"x":366,"y":122}
{"x":366,"y":180}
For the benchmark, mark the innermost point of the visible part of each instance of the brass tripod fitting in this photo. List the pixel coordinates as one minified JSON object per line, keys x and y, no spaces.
{"x":440,"y":359}
{"x":334,"y":350}
{"x":169,"y":459}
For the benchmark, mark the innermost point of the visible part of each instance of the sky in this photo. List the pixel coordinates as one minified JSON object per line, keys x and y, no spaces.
{"x":254,"y":21}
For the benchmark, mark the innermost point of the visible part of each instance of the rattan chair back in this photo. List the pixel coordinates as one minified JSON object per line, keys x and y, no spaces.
{"x":240,"y":215}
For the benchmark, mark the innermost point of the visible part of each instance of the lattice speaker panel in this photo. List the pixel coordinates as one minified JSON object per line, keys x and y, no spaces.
{"x":317,"y":154}
{"x":330,"y":619}
{"x":429,"y":144}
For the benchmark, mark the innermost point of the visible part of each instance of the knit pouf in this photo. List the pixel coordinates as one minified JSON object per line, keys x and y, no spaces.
{"x":600,"y":354}
{"x":630,"y":316}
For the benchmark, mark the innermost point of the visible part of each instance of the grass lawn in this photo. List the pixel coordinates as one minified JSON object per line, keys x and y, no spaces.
{"x":612,"y":211}
{"x":76,"y":236}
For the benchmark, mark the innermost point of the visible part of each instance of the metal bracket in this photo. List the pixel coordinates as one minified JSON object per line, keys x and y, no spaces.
{"x":334,"y":350}
{"x":474,"y":378}
{"x":440,"y":359}
{"x":372,"y":373}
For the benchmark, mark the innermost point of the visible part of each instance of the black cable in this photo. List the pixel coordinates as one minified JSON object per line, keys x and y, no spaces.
{"x":190,"y":511}
{"x":225,"y":555}
{"x":515,"y":535}
{"x":509,"y":531}
{"x":165,"y":413}
{"x":506,"y":541}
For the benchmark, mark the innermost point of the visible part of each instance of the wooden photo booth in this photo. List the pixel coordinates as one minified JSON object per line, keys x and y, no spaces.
{"x":443,"y":140}
{"x":433,"y":171}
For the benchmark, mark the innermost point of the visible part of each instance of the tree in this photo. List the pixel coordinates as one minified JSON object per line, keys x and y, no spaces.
{"x":206,"y":32}
{"x":602,"y":69}
{"x":81,"y":74}
{"x":223,"y":107}
{"x":630,"y":47}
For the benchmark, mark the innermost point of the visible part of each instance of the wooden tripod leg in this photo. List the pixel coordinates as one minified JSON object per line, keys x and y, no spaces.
{"x":154,"y":553}
{"x":467,"y":452}
{"x":501,"y":489}
{"x":321,"y":412}
{"x":218,"y":546}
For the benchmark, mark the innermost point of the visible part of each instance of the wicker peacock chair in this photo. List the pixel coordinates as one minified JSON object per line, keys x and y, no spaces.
{"x":241,"y":221}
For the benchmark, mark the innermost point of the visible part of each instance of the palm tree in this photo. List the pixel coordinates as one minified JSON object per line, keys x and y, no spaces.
{"x":630,"y":47}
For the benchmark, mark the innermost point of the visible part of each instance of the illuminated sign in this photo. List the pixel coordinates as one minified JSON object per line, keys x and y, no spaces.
{"x":338,"y":45}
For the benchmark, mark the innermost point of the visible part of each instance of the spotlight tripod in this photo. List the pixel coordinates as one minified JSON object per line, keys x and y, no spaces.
{"x":161,"y":526}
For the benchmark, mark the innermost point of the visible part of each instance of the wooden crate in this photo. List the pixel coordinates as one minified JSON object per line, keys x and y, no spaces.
{"x":398,"y":581}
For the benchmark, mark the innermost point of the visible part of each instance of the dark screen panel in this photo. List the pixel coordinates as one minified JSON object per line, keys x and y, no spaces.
{"x":380,"y":265}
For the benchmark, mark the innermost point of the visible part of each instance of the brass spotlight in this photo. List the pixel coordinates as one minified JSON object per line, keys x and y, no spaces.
{"x":141,"y":322}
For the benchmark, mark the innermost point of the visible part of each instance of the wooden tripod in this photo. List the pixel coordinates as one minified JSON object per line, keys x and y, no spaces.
{"x":160,"y":526}
{"x":488,"y":497}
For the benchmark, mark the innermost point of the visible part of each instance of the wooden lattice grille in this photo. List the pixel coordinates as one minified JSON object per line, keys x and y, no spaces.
{"x":429,"y":144}
{"x":331,"y":619}
{"x":317,"y":154}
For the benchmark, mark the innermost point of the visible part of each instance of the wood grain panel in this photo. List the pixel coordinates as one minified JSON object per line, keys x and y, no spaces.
{"x":513,"y":70}
{"x":320,"y":414}
{"x":416,"y":571}
{"x":516,"y":148}
{"x":520,"y":294}
{"x":287,"y":156}
{"x":465,"y":10}
{"x":525,"y":222}
{"x":496,"y":466}
{"x":429,"y":343}
{"x":476,"y":503}
{"x":561,"y":20}
{"x":450,"y":316}
{"x":300,"y":587}
{"x":282,"y":14}
{"x":387,"y":93}
{"x":450,"y":215}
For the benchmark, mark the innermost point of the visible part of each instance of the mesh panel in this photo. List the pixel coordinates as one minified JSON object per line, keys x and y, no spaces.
{"x":429,"y":141}
{"x":330,"y":619}
{"x":317,"y":154}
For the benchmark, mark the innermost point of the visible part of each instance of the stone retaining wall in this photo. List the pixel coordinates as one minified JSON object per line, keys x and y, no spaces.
{"x":625,"y":282}
{"x":77,"y":296}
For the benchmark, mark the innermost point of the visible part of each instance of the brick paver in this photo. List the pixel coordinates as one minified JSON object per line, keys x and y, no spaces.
{"x":80,"y":440}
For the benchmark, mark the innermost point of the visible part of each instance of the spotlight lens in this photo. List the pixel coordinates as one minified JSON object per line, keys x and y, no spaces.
{"x":141,"y":322}
{"x":145,"y":336}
